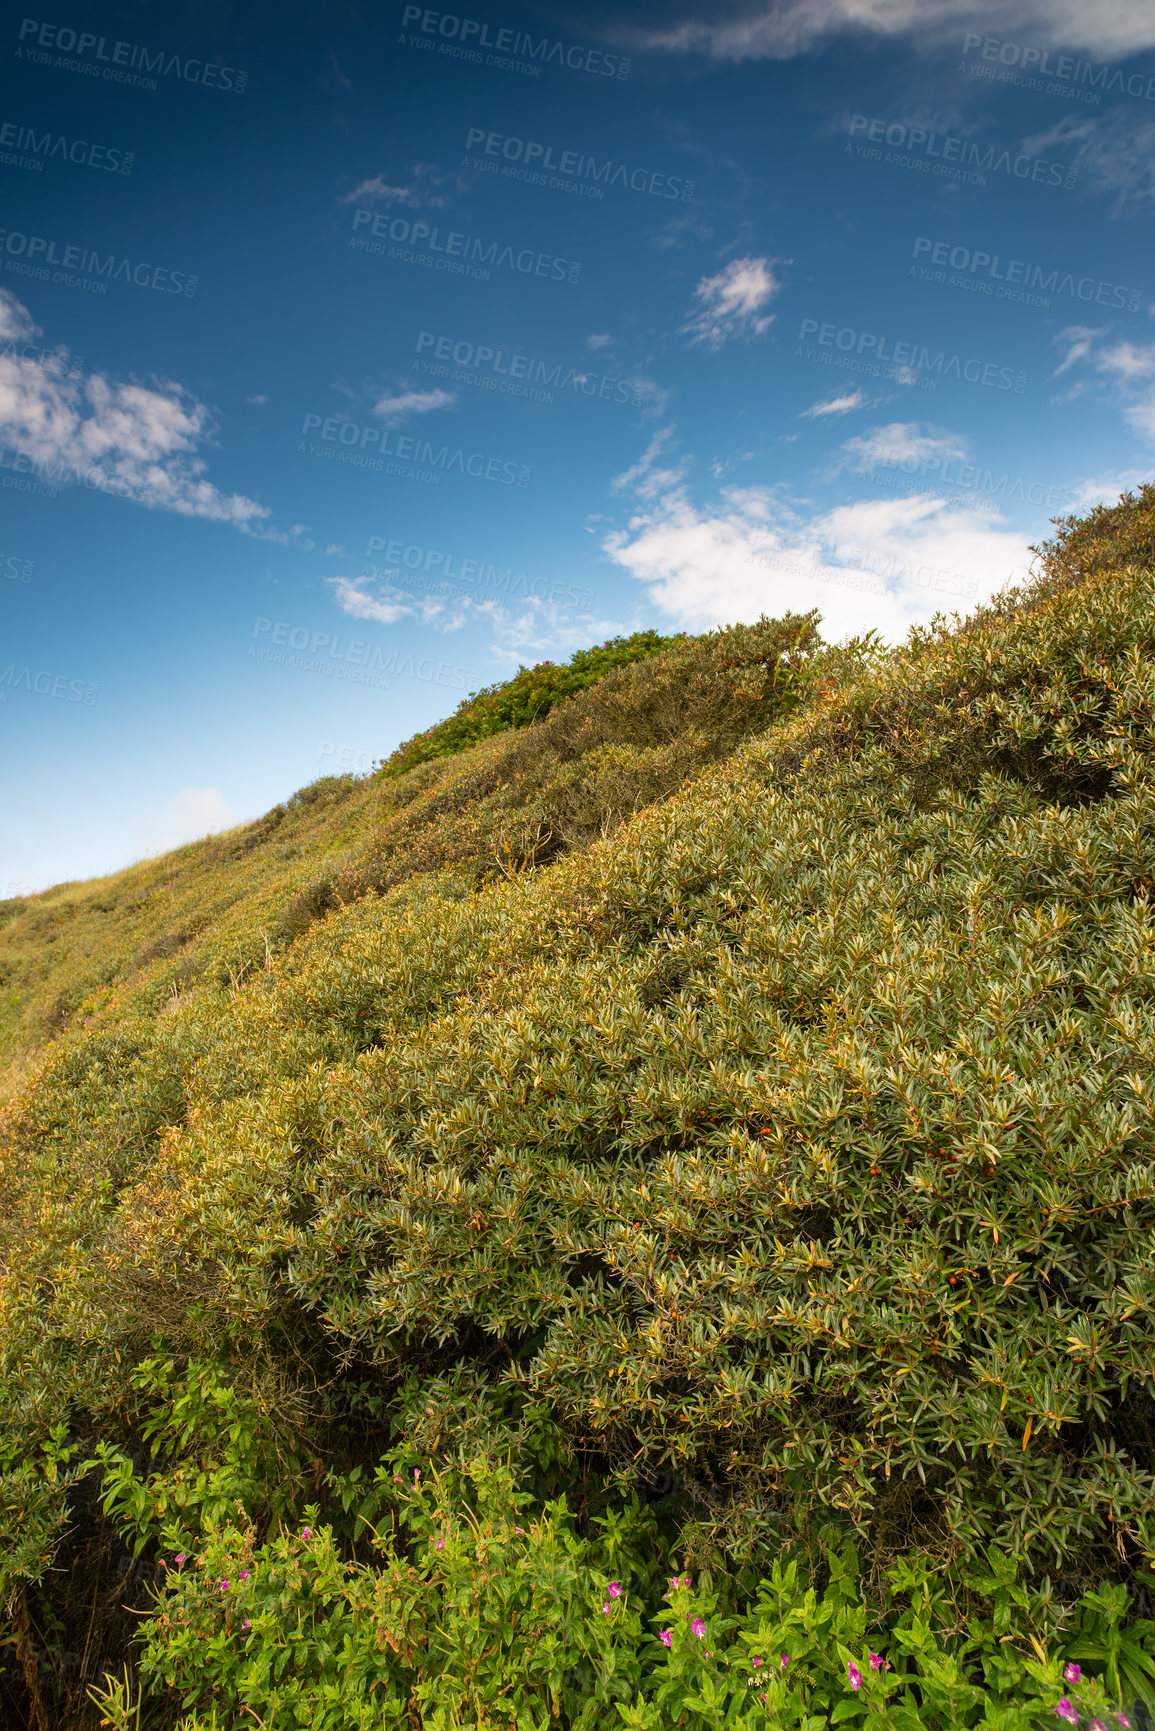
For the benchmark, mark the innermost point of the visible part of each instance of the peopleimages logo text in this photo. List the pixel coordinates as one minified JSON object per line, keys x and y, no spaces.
{"x":472,"y":33}
{"x":1038,"y":61}
{"x":456,"y":250}
{"x":409,"y":448}
{"x":123,"y":55}
{"x":917,"y":358}
{"x":40,"y":147}
{"x":356,"y":653}
{"x":572,"y":162}
{"x":1030,"y":278}
{"x":38,"y":253}
{"x":963,"y":151}
{"x":518,"y":375}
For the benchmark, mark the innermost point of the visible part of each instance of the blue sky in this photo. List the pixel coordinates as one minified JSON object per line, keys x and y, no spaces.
{"x":351,"y":357}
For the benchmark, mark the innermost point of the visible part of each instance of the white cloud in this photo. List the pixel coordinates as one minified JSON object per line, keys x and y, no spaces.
{"x":1080,"y":340}
{"x":873,"y":564}
{"x":599,"y":341}
{"x":1106,"y":489}
{"x":1129,"y":368}
{"x":731,"y":303}
{"x":257,"y":400}
{"x":353,"y":596}
{"x":429,"y":186}
{"x":835,"y":406}
{"x":901,"y":442}
{"x":645,"y":478}
{"x":394,"y":409}
{"x":190,"y":814}
{"x":1115,"y":153}
{"x":782,"y":29}
{"x":126,"y":439}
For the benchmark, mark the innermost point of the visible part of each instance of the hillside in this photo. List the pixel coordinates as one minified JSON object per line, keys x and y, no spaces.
{"x":708,"y":1128}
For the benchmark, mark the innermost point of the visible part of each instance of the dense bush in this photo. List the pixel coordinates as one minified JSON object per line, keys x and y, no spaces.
{"x":787,"y":1153}
{"x":528,"y":696}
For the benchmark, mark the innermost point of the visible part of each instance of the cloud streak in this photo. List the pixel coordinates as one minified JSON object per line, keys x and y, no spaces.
{"x":784,"y":29}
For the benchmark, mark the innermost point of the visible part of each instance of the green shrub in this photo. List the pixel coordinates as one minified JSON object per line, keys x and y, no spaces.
{"x":516,"y":702}
{"x":747,"y":1069}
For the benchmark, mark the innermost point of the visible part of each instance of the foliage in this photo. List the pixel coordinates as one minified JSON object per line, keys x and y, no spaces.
{"x":474,"y":1618}
{"x":528,"y":696}
{"x":767,"y":1169}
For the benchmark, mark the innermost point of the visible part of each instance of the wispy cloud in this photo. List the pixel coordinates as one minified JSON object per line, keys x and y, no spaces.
{"x":835,"y":406}
{"x":429,"y":187}
{"x":134,"y":441}
{"x":1114,"y":155}
{"x":900,"y":442}
{"x":731,"y":304}
{"x":782,"y":29}
{"x":398,"y":408}
{"x":1127,"y":368}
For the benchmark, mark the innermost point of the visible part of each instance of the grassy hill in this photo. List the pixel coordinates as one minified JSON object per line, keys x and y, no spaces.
{"x":704,"y":1128}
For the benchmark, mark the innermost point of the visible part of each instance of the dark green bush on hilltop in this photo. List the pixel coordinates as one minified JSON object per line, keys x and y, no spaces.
{"x":764,"y":1191}
{"x":527,"y":697}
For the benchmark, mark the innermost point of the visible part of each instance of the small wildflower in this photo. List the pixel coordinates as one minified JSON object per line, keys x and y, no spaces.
{"x":606,"y":1609}
{"x":1066,"y":1711}
{"x":615,"y":1589}
{"x":1124,"y":1721}
{"x":1096,"y":1725}
{"x":757,"y":1661}
{"x":246,"y":1623}
{"x":222,"y":1587}
{"x":875,"y":1661}
{"x":1072,"y":1673}
{"x":244,"y":1574}
{"x":441,"y":1544}
{"x":308,"y":1533}
{"x":854,"y":1675}
{"x":179,"y":1558}
{"x":666,"y":1637}
{"x":784,"y":1661}
{"x":697,"y":1627}
{"x":396,"y":1478}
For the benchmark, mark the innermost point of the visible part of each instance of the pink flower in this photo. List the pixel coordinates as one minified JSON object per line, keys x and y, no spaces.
{"x":876,"y":1661}
{"x":179,"y":1558}
{"x":441,"y":1544}
{"x":784,"y":1661}
{"x":1066,"y":1711}
{"x":854,"y":1675}
{"x":244,"y":1574}
{"x":615,"y":1589}
{"x":1072,"y":1673}
{"x":396,"y":1478}
{"x":308,"y":1533}
{"x":666,"y":1637}
{"x":698,"y":1628}
{"x":1096,"y":1725}
{"x":246,"y":1622}
{"x":757,"y":1661}
{"x":1124,"y":1721}
{"x":221,"y":1588}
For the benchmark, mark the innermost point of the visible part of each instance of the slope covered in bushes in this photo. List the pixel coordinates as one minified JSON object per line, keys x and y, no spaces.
{"x":770,"y":1179}
{"x":214,"y":911}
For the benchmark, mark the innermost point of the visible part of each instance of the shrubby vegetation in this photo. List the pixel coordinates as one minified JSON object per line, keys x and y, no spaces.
{"x":528,"y":696}
{"x":681,"y":1168}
